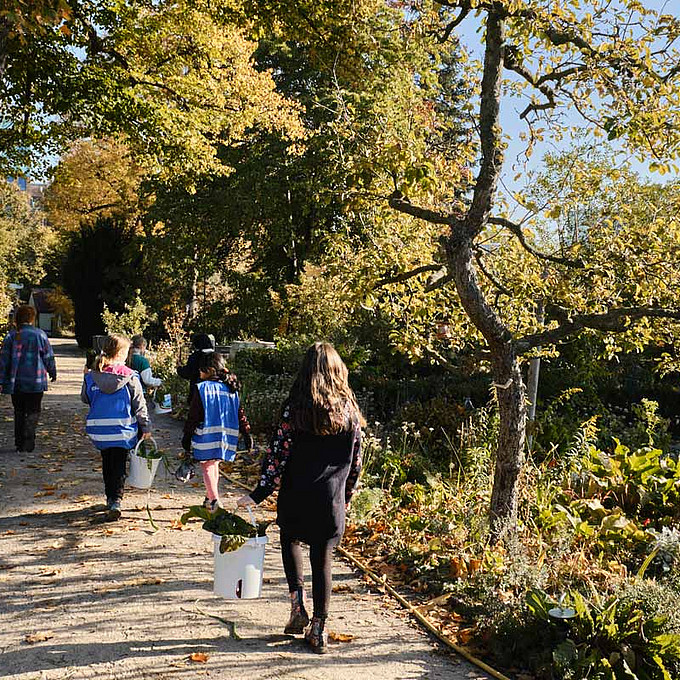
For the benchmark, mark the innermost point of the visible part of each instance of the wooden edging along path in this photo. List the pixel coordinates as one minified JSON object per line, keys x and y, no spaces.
{"x":423,"y":620}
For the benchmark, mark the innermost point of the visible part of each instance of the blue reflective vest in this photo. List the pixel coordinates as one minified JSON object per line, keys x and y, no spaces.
{"x":110,"y":422}
{"x":217,"y":436}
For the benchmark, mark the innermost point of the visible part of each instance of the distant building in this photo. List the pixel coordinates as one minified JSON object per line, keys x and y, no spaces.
{"x":45,"y":315}
{"x":34,"y":190}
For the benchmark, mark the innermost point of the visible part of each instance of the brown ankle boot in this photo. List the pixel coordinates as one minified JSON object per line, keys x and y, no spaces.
{"x":299,"y":617}
{"x":316,"y":636}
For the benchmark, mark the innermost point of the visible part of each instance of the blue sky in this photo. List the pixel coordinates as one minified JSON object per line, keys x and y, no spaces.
{"x":471,"y":37}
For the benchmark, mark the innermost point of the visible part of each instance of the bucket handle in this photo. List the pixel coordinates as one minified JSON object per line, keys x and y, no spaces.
{"x":252,"y":516}
{"x":140,"y":440}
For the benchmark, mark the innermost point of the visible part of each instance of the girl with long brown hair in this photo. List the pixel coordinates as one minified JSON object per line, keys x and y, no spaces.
{"x":315,"y":460}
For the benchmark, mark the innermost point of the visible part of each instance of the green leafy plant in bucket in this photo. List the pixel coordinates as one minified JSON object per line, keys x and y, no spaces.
{"x":149,"y":450}
{"x":234,"y":530}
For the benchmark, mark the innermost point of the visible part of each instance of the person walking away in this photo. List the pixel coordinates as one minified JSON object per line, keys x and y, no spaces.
{"x":26,"y":360}
{"x":202,"y":344}
{"x":118,"y":415}
{"x":214,"y":422}
{"x":139,"y":362}
{"x":315,"y":459}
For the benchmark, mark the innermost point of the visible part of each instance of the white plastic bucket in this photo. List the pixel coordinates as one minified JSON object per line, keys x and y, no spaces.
{"x":163,"y":406}
{"x":238,"y":574}
{"x":142,"y":470}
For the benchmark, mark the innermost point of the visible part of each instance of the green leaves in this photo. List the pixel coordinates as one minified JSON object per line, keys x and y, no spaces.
{"x":234,"y":530}
{"x":612,"y":639}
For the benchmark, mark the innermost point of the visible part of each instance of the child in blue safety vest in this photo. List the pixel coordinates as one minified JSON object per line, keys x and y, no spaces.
{"x":214,"y":422}
{"x":118,"y":415}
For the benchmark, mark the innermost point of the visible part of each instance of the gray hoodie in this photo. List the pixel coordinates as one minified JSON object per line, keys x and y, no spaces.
{"x":112,"y":382}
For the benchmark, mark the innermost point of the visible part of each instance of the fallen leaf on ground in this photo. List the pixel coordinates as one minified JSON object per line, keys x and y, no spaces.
{"x":40,"y":494}
{"x":340,"y":637}
{"x":50,"y":572}
{"x":199,"y":657}
{"x":176,"y":524}
{"x":343,"y":588}
{"x":465,"y":635}
{"x":39,"y":637}
{"x":9,"y":532}
{"x":442,"y":599}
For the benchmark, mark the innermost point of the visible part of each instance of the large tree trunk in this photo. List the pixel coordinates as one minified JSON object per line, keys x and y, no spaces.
{"x":508,"y":384}
{"x":512,"y":430}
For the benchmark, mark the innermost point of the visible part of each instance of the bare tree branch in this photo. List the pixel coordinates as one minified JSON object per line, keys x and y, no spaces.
{"x":615,"y":320}
{"x":437,"y":282}
{"x":399,"y":202}
{"x":561,"y":75}
{"x":441,"y":360}
{"x":465,"y":9}
{"x":516,"y":229}
{"x":405,"y":276}
{"x":513,"y":63}
{"x":496,"y":284}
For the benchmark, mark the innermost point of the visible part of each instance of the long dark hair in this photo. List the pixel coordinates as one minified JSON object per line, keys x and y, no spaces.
{"x":213,"y":364}
{"x":321,"y":400}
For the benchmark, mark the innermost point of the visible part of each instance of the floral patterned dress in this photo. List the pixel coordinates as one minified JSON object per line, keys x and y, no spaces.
{"x":316,"y":475}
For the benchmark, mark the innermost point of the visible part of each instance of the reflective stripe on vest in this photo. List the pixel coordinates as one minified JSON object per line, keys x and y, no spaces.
{"x":217,"y":437}
{"x":110,"y":422}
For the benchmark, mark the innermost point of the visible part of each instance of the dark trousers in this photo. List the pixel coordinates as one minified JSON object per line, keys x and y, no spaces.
{"x":26,"y":415}
{"x":321,"y":559}
{"x":113,"y":468}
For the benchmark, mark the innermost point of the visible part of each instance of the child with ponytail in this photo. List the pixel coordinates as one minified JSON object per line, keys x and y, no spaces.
{"x":214,"y":422}
{"x":118,"y":415}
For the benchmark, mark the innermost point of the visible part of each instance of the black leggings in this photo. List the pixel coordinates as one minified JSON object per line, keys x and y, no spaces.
{"x":321,"y":559}
{"x":113,"y":469}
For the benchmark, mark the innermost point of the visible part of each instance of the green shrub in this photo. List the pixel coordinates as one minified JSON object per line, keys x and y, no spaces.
{"x":626,"y":636}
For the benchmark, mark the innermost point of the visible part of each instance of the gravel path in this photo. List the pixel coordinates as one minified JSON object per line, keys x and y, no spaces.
{"x":81,"y":598}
